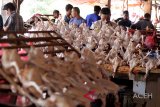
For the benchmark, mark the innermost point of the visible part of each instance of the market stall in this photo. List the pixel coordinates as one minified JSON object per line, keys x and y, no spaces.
{"x":64,"y":65}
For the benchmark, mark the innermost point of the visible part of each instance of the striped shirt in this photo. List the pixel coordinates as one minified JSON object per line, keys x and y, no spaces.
{"x":14,"y":22}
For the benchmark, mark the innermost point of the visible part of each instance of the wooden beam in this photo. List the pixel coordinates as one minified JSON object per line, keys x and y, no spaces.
{"x":22,"y":32}
{"x":109,"y":3}
{"x":125,"y":5}
{"x":147,"y":6}
{"x":106,"y":2}
{"x":17,"y":3}
{"x":34,"y":39}
{"x":125,"y":69}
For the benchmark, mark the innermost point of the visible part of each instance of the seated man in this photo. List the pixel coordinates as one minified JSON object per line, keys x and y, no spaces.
{"x":144,"y":23}
{"x":125,"y":22}
{"x":68,"y":15}
{"x":77,"y":19}
{"x":105,"y":19}
{"x":93,"y":17}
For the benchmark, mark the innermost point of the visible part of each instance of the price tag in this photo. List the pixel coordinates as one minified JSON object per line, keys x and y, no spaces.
{"x":139,"y":87}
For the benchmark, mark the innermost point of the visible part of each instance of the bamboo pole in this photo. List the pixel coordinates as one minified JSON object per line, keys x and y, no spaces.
{"x":127,"y":4}
{"x":147,"y":6}
{"x":155,"y":2}
{"x":109,"y":3}
{"x":156,"y":11}
{"x":123,"y":5}
{"x":106,"y":2}
{"x":17,"y":3}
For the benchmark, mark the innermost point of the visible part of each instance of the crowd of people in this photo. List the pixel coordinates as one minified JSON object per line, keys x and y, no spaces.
{"x":100,"y":15}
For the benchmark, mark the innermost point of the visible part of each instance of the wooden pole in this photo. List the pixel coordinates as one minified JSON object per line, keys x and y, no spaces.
{"x":17,"y":3}
{"x":127,"y":4}
{"x":109,"y":3}
{"x":106,"y":2}
{"x":18,"y":6}
{"x":123,"y":5}
{"x":147,"y":6}
{"x":156,"y":10}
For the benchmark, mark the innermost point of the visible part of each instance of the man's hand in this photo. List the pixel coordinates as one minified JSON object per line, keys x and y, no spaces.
{"x":5,"y":28}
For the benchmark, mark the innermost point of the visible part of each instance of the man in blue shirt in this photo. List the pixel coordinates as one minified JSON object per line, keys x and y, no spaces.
{"x":77,"y":19}
{"x":93,"y":17}
{"x":67,"y":17}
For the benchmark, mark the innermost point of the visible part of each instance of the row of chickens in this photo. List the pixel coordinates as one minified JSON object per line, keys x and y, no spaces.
{"x":112,"y":45}
{"x":53,"y":82}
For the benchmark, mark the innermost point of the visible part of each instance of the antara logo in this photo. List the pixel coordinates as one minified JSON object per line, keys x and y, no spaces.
{"x":90,"y":95}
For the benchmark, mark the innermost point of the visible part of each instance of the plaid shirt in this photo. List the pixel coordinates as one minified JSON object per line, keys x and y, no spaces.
{"x":14,"y":22}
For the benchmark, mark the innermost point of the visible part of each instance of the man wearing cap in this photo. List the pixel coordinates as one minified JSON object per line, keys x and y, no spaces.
{"x":105,"y":19}
{"x":14,"y":21}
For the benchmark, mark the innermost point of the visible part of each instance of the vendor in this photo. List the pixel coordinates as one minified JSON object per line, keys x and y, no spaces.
{"x":68,"y":15}
{"x":77,"y":19}
{"x":14,"y":21}
{"x":105,"y":19}
{"x":93,"y":17}
{"x":56,"y":16}
{"x":124,"y":21}
{"x":144,"y":23}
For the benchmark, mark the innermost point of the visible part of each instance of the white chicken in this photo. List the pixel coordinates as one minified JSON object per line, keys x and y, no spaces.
{"x":112,"y":53}
{"x":115,"y":63}
{"x":117,"y":44}
{"x":133,"y":63}
{"x":91,"y":43}
{"x":158,"y":57}
{"x":126,"y":40}
{"x":130,"y":49}
{"x":151,"y":63}
{"x":102,"y":45}
{"x":137,"y":36}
